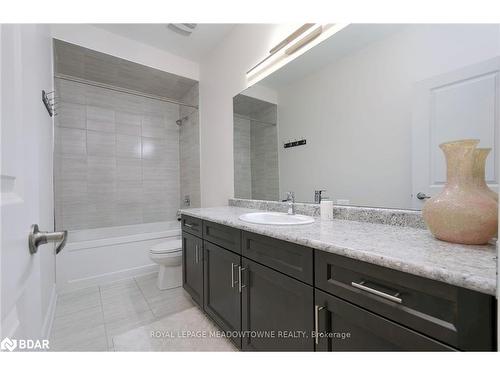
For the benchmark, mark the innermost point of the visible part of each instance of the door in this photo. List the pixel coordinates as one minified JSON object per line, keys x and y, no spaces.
{"x":343,"y":326}
{"x":192,"y":266}
{"x":27,"y":281}
{"x":222,"y":297}
{"x":457,"y":105}
{"x":277,"y":310}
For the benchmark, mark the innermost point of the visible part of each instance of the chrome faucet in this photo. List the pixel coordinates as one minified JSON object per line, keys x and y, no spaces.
{"x":290,"y":198}
{"x":317,"y":196}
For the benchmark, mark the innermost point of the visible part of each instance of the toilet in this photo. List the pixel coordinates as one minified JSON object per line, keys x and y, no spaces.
{"x":168,"y":255}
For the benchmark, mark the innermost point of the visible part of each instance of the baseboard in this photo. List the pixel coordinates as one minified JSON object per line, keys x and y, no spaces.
{"x":105,"y":278}
{"x":49,"y":315}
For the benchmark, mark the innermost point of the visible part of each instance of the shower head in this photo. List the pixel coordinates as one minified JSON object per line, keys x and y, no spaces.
{"x":180,"y":121}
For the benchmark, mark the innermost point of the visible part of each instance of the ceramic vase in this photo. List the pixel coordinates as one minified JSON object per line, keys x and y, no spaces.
{"x":480,"y":156}
{"x":463,"y":212}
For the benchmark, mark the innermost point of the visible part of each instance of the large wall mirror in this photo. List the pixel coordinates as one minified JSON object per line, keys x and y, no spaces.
{"x":361,"y":115}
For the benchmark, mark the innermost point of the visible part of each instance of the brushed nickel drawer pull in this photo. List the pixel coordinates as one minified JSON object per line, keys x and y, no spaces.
{"x":362,"y":286}
{"x":240,"y":275}
{"x":232,"y":275}
{"x":316,"y":322}
{"x":188,"y":225}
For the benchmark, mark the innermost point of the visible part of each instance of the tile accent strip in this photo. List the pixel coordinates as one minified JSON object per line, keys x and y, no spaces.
{"x":396,"y":217}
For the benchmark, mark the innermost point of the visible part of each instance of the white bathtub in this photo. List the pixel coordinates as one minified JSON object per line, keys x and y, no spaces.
{"x":97,"y":256}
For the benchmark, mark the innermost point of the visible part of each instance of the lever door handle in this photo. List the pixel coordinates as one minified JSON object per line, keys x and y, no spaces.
{"x":37,"y":238}
{"x":422,"y":196}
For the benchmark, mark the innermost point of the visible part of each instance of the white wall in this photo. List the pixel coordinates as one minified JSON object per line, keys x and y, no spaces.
{"x":222,"y":76}
{"x":356,"y":113}
{"x":98,"y":39}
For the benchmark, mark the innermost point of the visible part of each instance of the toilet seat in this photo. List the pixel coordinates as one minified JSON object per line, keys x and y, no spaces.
{"x":167,"y":247}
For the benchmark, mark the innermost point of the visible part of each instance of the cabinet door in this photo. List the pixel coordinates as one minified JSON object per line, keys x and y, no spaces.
{"x":222,"y":297}
{"x":192,"y":266}
{"x":345,"y":327}
{"x":277,"y":310}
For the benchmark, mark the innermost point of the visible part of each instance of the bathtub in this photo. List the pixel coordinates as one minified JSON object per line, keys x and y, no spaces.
{"x":98,"y":256}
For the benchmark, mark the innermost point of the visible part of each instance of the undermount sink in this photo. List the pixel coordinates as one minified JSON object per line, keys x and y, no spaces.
{"x":276,"y":218}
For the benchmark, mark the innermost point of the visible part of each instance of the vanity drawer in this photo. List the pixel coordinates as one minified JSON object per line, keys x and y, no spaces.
{"x":453,"y":315}
{"x":289,"y":258}
{"x":224,"y":236}
{"x":363,"y":330}
{"x":191,"y":225}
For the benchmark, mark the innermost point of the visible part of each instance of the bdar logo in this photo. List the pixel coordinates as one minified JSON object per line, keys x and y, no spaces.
{"x":8,"y":344}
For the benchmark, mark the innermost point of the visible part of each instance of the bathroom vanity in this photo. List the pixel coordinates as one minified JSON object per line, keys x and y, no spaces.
{"x":337,"y":286}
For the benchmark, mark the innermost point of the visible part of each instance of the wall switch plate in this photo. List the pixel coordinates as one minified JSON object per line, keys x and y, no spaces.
{"x":187,"y":200}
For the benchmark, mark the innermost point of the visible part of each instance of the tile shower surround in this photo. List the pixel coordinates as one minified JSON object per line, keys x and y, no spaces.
{"x":116,"y":158}
{"x":256,"y":173}
{"x":189,"y":150}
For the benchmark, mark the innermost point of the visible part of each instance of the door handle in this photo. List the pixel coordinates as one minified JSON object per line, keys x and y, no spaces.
{"x":317,"y":309}
{"x":196,"y":255}
{"x":37,"y":238}
{"x":240,"y":273}
{"x":422,"y":196}
{"x":232,"y":274}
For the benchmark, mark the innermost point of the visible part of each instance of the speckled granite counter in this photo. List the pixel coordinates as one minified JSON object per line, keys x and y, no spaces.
{"x":410,"y":250}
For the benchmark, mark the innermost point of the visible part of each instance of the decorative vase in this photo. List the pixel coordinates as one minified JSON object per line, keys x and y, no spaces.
{"x":480,"y":156}
{"x":462,"y":212}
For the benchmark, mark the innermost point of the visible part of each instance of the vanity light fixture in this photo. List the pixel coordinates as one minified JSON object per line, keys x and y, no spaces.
{"x":184,"y":29}
{"x":300,"y":41}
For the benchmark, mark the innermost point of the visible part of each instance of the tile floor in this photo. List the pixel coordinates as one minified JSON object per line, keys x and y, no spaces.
{"x":88,"y":319}
{"x":169,"y":335}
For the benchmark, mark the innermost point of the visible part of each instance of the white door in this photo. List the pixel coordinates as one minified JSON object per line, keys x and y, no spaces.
{"x":457,"y":105}
{"x":27,"y":281}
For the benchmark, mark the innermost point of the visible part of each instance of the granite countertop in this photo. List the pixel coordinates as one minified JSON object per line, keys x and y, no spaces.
{"x":410,"y":250}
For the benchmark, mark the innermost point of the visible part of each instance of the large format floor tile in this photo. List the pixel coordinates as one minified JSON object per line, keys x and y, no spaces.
{"x":90,"y":319}
{"x":74,"y":302}
{"x":89,"y":339}
{"x":69,"y":324}
{"x":171,"y":302}
{"x":168,"y":334}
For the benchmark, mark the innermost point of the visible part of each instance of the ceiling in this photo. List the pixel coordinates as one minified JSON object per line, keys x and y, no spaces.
{"x":256,"y":109}
{"x":80,"y":62}
{"x":194,"y":47}
{"x":248,"y":106}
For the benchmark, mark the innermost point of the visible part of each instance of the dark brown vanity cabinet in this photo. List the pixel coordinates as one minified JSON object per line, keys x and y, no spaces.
{"x":276,"y":310}
{"x":455,"y":316}
{"x":192,"y":266}
{"x":272,"y":295}
{"x":342,"y":326}
{"x":192,"y":225}
{"x":222,"y":290}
